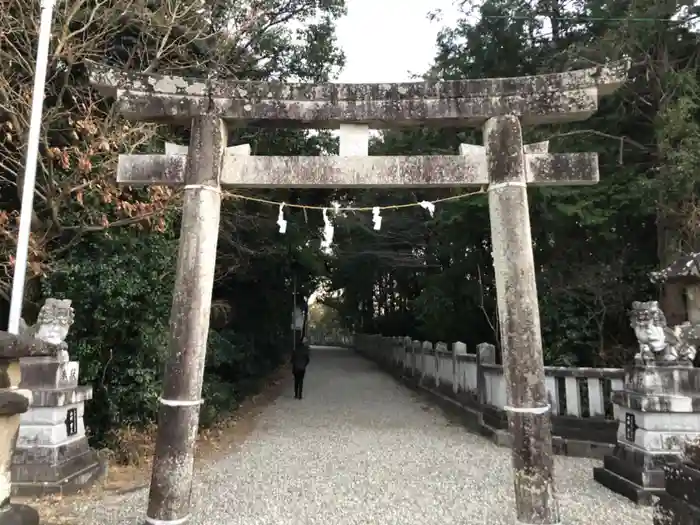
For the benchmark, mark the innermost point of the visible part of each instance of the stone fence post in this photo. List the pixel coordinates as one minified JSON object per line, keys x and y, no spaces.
{"x":407,"y":365}
{"x":440,"y":348}
{"x":360,"y":342}
{"x":426,"y":348}
{"x":458,"y":348}
{"x":417,"y":357}
{"x":485,"y":355}
{"x":372,"y":351}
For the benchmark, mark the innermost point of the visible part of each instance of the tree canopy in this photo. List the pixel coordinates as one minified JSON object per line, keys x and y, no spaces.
{"x":594,"y":246}
{"x":112,"y":249}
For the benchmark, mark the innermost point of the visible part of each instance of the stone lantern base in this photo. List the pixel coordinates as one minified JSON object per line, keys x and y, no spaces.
{"x":658,"y":410}
{"x":52,"y":454}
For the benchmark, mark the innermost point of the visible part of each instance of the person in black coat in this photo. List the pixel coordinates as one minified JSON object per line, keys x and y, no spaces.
{"x":300,"y":360}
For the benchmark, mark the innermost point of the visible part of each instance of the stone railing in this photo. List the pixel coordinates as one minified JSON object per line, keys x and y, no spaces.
{"x":331,"y":339}
{"x":583,"y":423}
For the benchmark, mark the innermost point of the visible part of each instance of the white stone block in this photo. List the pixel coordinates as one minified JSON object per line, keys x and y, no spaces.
{"x":679,"y":422}
{"x":671,"y":403}
{"x":43,"y":435}
{"x":657,"y":441}
{"x":50,"y":415}
{"x":459,"y":348}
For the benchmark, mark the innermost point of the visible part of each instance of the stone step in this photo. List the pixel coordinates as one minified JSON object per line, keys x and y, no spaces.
{"x":38,"y":473}
{"x":49,"y":435}
{"x":683,"y":482}
{"x":676,"y":403}
{"x":670,"y":381}
{"x":643,"y":459}
{"x":625,"y":487}
{"x":672,"y":511}
{"x":68,"y":485}
{"x":645,"y":478}
{"x":42,"y":416}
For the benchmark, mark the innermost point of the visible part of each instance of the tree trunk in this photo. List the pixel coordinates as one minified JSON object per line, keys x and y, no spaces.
{"x":672,"y":298}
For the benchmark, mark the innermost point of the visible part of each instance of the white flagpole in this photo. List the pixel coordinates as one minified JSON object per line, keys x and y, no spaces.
{"x":25,"y":221}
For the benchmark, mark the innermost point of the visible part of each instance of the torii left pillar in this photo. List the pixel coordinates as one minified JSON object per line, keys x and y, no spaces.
{"x":178,"y":414}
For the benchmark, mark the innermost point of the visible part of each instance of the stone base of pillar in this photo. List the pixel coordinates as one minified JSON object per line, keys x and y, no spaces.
{"x":633,"y":473}
{"x":657,"y":410}
{"x":19,"y":515}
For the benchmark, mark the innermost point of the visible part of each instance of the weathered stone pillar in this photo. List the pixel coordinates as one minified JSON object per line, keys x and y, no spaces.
{"x":455,"y":351}
{"x":521,"y":340}
{"x":485,"y":355}
{"x":178,"y":417}
{"x":440,"y":348}
{"x":13,"y":402}
{"x":417,"y":351}
{"x":426,"y":350}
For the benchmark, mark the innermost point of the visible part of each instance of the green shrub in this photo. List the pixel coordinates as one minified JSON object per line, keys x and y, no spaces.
{"x":121,"y":287}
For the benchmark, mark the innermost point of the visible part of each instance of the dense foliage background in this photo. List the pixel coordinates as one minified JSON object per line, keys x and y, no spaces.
{"x":112,"y":250}
{"x":594,"y":246}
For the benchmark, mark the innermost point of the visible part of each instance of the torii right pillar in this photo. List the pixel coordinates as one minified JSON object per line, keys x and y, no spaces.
{"x":510,"y":166}
{"x":519,"y":323}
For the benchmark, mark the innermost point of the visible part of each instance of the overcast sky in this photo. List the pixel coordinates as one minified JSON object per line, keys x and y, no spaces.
{"x":387,"y":40}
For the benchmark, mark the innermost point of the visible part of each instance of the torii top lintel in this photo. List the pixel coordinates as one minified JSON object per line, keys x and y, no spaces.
{"x":540,"y":99}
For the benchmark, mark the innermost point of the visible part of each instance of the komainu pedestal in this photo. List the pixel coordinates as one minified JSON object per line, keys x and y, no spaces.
{"x":52,"y":454}
{"x":680,"y":503}
{"x":658,"y":409}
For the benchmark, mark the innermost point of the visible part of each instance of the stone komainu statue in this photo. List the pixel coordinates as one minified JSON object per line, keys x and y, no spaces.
{"x":659,"y":344}
{"x":53,"y":323}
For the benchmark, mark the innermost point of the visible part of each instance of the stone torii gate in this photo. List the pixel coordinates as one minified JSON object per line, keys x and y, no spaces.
{"x":498,"y":106}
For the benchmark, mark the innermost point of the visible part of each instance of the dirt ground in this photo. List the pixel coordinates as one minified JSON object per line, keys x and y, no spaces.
{"x":211,"y":444}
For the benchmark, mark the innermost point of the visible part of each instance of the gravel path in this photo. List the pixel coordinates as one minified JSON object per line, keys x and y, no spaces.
{"x":361,"y":449}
